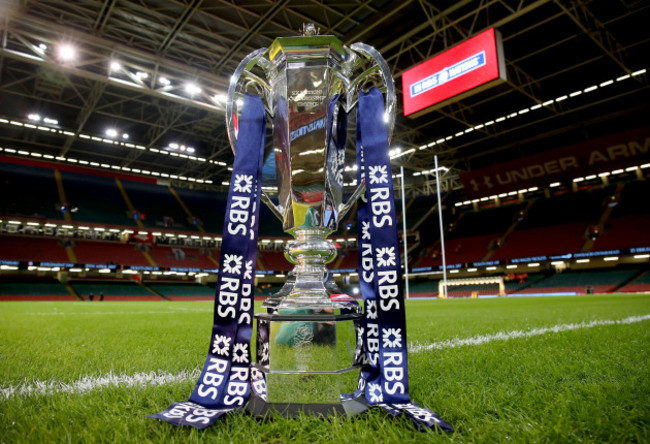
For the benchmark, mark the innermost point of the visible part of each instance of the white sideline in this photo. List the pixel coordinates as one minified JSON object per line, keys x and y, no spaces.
{"x":90,"y":383}
{"x":504,"y":336}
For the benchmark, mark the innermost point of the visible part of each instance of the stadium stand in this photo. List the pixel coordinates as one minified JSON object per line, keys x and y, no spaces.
{"x":557,"y":224}
{"x":34,"y":289}
{"x":346,"y":259}
{"x":157,"y":205}
{"x":36,"y":249}
{"x":28,"y":192}
{"x":461,"y":250}
{"x":545,"y":240}
{"x":183,"y":257}
{"x":96,"y":198}
{"x":185,"y":291}
{"x":209,"y":207}
{"x":581,"y":282}
{"x":97,"y":252}
{"x":275,"y":260}
{"x":113,"y":290}
{"x":638,"y":284}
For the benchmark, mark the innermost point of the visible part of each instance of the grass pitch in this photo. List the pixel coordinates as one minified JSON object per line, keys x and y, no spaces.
{"x":589,"y":384}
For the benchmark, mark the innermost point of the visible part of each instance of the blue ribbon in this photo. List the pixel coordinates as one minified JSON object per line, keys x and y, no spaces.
{"x":224,"y":384}
{"x":385,"y":381}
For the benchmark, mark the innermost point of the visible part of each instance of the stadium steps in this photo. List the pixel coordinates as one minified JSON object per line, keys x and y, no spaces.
{"x":589,"y":243}
{"x":530,"y":281}
{"x":127,"y":201}
{"x":72,"y":291}
{"x":216,"y":262}
{"x":337,"y":262}
{"x":509,"y":231}
{"x":636,"y":276}
{"x":152,"y":291}
{"x":131,"y":208}
{"x":61,"y":191}
{"x":190,"y":216}
{"x":149,"y":259}
{"x":72,"y":256}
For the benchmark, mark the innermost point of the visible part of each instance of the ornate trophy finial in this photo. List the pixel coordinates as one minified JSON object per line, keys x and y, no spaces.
{"x":309,"y":30}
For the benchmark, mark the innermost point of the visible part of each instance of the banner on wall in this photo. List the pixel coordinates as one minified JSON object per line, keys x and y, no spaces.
{"x":467,"y":68}
{"x":608,"y":153}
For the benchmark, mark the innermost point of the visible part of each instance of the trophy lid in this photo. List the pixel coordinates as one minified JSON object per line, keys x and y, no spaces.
{"x":308,"y":41}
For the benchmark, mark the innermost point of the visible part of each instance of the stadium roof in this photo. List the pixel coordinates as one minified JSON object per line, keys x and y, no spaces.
{"x":121,"y":81}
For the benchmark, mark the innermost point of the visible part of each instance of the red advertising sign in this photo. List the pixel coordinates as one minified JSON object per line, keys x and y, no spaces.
{"x":467,"y":68}
{"x":630,"y":148}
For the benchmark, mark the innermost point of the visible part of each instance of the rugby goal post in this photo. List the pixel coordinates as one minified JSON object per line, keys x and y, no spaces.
{"x":472,"y":287}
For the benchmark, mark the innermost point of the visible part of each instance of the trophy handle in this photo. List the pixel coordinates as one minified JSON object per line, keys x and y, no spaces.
{"x":387,"y":85}
{"x":243,"y":72}
{"x":345,"y":208}
{"x":361,"y":52}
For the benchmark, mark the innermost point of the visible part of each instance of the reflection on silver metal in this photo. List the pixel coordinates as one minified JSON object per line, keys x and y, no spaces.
{"x":309,"y":85}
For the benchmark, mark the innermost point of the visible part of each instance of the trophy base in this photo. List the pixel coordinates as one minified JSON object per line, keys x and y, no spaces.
{"x":259,"y":408}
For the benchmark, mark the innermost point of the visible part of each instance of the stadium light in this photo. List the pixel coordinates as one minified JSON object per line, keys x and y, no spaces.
{"x":115,"y":66}
{"x":67,"y":52}
{"x":192,"y":88}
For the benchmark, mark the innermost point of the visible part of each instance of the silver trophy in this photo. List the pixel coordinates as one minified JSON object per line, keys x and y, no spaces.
{"x":307,"y":346}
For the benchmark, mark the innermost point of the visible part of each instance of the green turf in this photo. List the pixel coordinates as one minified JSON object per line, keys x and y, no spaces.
{"x":587,"y":385}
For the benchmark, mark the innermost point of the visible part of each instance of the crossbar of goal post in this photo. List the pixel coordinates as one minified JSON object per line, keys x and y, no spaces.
{"x":444,"y":284}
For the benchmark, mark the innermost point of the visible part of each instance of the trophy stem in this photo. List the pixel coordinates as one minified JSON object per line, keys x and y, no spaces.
{"x":309,"y":252}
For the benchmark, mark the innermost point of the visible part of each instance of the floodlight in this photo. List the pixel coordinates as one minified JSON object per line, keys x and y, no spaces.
{"x":111,"y":132}
{"x":67,"y":52}
{"x":192,"y":88}
{"x":115,"y":66}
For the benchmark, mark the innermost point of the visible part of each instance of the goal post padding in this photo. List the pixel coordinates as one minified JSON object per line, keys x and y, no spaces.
{"x":472,"y":287}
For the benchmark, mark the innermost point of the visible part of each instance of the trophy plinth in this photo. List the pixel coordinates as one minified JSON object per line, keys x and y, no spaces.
{"x":308,"y":341}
